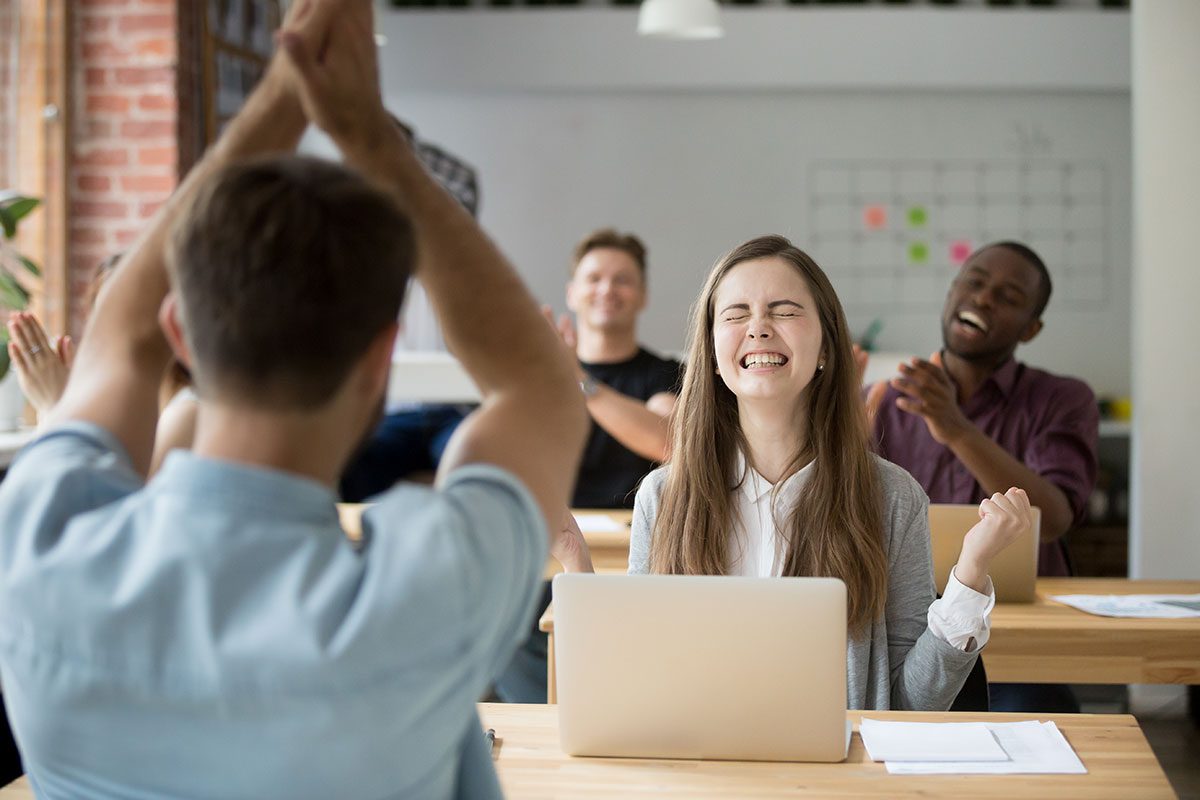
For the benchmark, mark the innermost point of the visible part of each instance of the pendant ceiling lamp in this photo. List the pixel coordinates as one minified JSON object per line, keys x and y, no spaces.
{"x":680,"y":19}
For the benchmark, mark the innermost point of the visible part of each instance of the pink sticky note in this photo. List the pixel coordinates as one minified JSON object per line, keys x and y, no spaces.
{"x":959,"y":251}
{"x":875,"y":217}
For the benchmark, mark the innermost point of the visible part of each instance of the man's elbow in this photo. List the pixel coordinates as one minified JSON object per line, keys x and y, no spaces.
{"x":1056,"y":525}
{"x":662,"y":452}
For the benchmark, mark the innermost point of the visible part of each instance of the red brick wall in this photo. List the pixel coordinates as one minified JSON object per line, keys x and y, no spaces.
{"x":124,"y":150}
{"x":7,"y":95}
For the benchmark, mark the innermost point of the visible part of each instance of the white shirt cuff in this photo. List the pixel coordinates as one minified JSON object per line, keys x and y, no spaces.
{"x":962,"y":617}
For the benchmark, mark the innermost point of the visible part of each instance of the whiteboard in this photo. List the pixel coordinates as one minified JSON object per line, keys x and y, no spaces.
{"x":696,"y":172}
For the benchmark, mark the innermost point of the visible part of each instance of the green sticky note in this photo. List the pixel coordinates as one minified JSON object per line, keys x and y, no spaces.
{"x":917,"y":216}
{"x":918,"y":252}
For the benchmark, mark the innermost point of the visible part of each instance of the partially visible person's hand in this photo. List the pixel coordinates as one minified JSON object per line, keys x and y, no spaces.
{"x":930,"y":394}
{"x":562,"y":326}
{"x":861,"y":359}
{"x":873,"y":401}
{"x":65,"y":347}
{"x":874,"y":396}
{"x":570,"y":548}
{"x":566,"y":329}
{"x":42,"y":368}
{"x":566,"y":332}
{"x":1002,"y":518}
{"x":333,"y":55}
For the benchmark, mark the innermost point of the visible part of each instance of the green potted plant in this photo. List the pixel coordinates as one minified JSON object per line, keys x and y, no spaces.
{"x":19,"y":276}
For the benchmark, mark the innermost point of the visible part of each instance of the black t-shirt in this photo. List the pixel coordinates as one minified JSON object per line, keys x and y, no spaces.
{"x":609,"y":474}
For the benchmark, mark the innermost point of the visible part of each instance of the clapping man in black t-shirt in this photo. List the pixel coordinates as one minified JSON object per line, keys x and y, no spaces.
{"x":630,"y":391}
{"x":630,"y":394}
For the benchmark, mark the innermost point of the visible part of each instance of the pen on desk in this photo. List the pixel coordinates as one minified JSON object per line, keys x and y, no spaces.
{"x":490,"y":735}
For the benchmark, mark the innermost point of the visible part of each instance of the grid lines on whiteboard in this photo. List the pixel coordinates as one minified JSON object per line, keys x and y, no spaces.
{"x":893,"y":232}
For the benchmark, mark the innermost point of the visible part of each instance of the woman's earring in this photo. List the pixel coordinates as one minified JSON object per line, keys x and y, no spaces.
{"x":821,"y":366}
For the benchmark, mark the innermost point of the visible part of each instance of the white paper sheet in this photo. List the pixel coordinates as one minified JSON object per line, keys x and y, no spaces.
{"x":1143,"y":606}
{"x":930,"y":741}
{"x":1032,"y":748}
{"x":599,"y":523}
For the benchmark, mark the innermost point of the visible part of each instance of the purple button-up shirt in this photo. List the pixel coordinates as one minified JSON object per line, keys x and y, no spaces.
{"x":1049,"y":423}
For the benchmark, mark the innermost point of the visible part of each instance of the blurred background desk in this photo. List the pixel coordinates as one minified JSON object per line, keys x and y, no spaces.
{"x":1047,"y":642}
{"x":609,"y":544}
{"x":429,"y":378}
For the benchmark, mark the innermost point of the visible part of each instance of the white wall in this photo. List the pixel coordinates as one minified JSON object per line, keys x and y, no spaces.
{"x":763,"y":48}
{"x":1165,"y":524}
{"x":575,"y":122}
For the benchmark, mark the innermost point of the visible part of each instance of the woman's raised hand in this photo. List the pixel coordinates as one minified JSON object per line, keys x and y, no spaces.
{"x":569,"y":547}
{"x":1002,"y":518}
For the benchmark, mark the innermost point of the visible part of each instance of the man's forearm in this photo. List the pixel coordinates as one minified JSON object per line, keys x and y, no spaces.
{"x":997,"y":471}
{"x":123,"y":352}
{"x":495,"y":329}
{"x":127,"y":309}
{"x":630,"y":422}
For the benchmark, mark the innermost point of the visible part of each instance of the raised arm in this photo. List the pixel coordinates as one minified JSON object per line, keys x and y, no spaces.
{"x":929,"y":393}
{"x":643,"y":427}
{"x":122,"y":354}
{"x":532,"y":421}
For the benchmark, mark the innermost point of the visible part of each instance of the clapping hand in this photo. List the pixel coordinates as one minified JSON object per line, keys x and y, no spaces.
{"x":566,"y":333}
{"x":42,"y":368}
{"x":874,"y":397}
{"x":930,"y":394}
{"x":331,"y":49}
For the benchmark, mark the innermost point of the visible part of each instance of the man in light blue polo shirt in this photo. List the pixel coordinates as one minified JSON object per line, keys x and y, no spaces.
{"x":213,"y":633}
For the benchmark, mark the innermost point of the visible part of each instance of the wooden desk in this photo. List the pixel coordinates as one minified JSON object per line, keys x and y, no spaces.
{"x":610,"y":549}
{"x":1047,"y":642}
{"x":1119,"y":761}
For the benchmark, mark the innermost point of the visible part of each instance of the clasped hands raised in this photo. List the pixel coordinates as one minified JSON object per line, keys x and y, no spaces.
{"x":328,"y":60}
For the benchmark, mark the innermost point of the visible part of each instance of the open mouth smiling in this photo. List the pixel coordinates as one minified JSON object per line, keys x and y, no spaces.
{"x":759,"y":360}
{"x":972,"y":320}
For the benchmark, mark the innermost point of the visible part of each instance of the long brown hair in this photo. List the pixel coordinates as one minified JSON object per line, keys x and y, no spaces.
{"x":836,"y":529}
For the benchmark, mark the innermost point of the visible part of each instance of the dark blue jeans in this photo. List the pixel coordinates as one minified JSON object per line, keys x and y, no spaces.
{"x":524,"y":679}
{"x":405,"y":442}
{"x":1042,"y":698}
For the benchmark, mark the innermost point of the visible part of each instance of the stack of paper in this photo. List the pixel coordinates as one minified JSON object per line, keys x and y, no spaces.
{"x":997,"y":748}
{"x":927,"y":741}
{"x":599,"y":523}
{"x":1144,"y":606}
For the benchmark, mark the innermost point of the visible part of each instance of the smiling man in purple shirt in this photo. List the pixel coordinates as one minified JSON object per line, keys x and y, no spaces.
{"x":972,"y":420}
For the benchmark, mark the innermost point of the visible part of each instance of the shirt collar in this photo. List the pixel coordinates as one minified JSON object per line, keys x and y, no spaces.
{"x":287,"y":496}
{"x":1005,"y":377}
{"x":754,"y":487}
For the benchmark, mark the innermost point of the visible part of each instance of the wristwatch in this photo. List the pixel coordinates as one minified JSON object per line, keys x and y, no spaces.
{"x":589,"y":386}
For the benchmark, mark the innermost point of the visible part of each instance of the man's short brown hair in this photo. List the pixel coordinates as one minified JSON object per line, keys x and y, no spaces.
{"x":610,"y":237}
{"x":286,"y":268}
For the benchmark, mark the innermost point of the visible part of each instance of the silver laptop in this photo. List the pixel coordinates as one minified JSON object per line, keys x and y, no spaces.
{"x":1013,"y":571}
{"x":658,"y":666}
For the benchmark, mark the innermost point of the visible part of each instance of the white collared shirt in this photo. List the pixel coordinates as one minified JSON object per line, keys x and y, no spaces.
{"x":757,"y":549}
